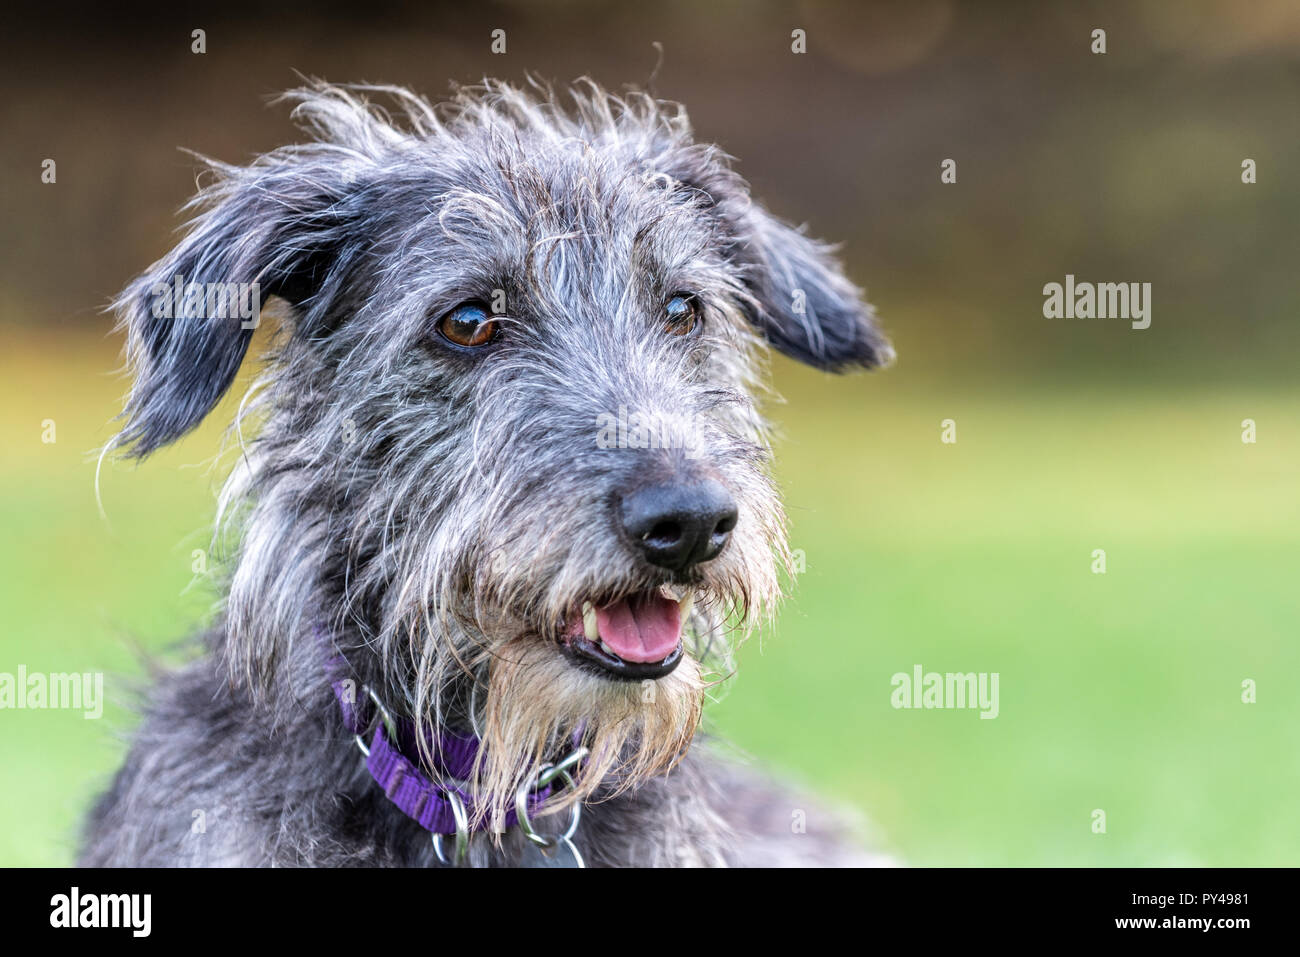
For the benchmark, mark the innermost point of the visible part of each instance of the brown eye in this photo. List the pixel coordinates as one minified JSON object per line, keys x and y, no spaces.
{"x":681,"y":315}
{"x":468,"y":325}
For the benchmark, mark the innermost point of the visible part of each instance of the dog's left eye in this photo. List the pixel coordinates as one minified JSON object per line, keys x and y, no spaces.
{"x":681,"y":315}
{"x":468,"y":325}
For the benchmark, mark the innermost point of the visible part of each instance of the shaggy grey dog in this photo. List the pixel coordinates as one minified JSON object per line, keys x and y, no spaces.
{"x":503,"y":475}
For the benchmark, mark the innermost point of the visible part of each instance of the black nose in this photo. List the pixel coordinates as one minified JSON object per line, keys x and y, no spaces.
{"x":678,"y":526}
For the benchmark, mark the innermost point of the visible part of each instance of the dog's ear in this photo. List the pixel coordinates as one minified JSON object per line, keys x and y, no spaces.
{"x":802,"y":301}
{"x":272,"y":228}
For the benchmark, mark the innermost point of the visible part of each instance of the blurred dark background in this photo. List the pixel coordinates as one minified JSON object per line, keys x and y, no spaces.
{"x":1120,"y":167}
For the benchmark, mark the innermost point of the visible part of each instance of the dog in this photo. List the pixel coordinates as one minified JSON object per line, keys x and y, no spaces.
{"x":501,"y":508}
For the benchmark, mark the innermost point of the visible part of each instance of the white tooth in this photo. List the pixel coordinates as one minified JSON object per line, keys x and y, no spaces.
{"x":607,"y":649}
{"x":589,"y":622}
{"x":686,"y":605}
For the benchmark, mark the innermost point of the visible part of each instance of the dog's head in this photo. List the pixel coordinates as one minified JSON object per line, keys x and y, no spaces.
{"x":508,"y":434}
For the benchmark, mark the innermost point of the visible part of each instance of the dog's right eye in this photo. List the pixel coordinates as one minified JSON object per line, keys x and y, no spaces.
{"x":468,"y":325}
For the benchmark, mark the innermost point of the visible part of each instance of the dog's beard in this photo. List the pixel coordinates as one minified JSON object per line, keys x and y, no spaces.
{"x":539,"y":707}
{"x":498,"y":656}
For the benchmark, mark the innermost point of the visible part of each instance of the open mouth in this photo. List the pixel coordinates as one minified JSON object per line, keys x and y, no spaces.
{"x":636,"y":637}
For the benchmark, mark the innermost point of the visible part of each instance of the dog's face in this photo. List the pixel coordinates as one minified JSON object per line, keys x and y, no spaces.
{"x":509,"y":432}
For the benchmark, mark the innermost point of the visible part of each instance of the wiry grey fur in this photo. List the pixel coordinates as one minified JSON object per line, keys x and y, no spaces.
{"x":436,"y":514}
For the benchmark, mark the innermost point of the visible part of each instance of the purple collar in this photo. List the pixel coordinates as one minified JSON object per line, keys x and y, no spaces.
{"x":393,"y":761}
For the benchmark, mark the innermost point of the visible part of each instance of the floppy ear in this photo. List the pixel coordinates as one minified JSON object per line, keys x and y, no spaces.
{"x":277,"y":227}
{"x":802,"y":302}
{"x":799,"y":297}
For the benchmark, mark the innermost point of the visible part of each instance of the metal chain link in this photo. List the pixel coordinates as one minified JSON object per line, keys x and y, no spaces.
{"x":545,"y":775}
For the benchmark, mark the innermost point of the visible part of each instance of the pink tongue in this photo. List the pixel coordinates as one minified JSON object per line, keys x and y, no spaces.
{"x":641,"y":628}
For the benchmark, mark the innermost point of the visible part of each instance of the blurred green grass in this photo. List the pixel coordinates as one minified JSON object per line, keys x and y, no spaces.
{"x":1119,"y":692}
